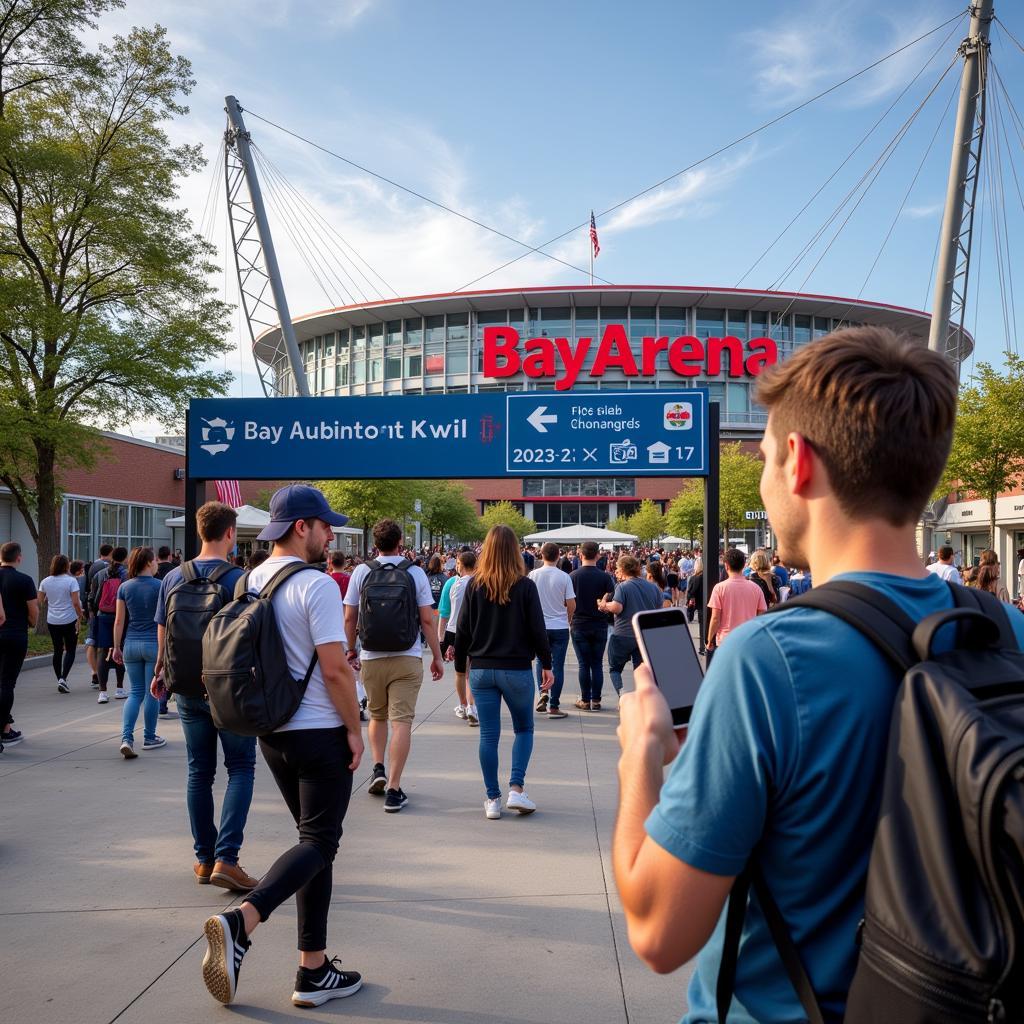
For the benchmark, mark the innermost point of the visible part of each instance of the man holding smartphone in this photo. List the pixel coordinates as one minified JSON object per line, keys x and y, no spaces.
{"x":784,"y":757}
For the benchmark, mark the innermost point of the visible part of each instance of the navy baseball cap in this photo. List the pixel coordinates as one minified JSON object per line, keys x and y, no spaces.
{"x":294,"y":502}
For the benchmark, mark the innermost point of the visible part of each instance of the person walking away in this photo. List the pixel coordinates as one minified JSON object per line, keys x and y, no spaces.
{"x":135,"y":646}
{"x":437,"y":578}
{"x":341,"y":576}
{"x":656,"y":575}
{"x":589,"y":627}
{"x":448,"y":619}
{"x":312,"y":756}
{"x":695,"y":600}
{"x":733,"y":601}
{"x":989,"y":579}
{"x":558,"y":602}
{"x":103,"y":596}
{"x":163,"y":562}
{"x":631,"y":595}
{"x":61,"y":594}
{"x":500,"y":631}
{"x":762,"y":574}
{"x":92,"y":571}
{"x":785,"y":754}
{"x":20,"y":603}
{"x":944,"y":567}
{"x":672,"y":580}
{"x":1020,"y":573}
{"x":184,"y":608}
{"x":390,"y":657}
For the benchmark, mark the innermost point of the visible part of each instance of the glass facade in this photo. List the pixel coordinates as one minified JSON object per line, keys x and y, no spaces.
{"x":593,"y":487}
{"x":90,"y":522}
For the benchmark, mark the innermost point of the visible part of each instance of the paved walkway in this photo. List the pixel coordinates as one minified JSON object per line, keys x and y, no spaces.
{"x":449,"y":917}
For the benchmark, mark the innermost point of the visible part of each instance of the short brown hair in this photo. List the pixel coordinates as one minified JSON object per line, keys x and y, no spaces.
{"x":629,"y":564}
{"x":945,"y":552}
{"x":467,"y":559}
{"x":214,"y":519}
{"x":589,"y":549}
{"x":138,"y":560}
{"x":878,"y":410}
{"x":387,"y":535}
{"x":549,"y":551}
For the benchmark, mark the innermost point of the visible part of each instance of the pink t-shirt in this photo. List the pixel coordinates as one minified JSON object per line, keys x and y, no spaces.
{"x":736,"y":601}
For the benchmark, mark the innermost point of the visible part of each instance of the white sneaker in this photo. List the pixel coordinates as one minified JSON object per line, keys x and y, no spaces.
{"x":471,"y":716}
{"x":120,"y":694}
{"x":102,"y":698}
{"x":62,"y":686}
{"x":127,"y":751}
{"x":492,"y":808}
{"x":520,"y":802}
{"x":460,"y":711}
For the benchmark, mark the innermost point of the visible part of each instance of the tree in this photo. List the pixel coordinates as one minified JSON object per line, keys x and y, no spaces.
{"x":987,"y":456}
{"x":647,"y":522}
{"x":366,"y":501}
{"x":504,"y":513}
{"x":106,"y":309}
{"x":620,"y":524}
{"x":740,"y":487}
{"x":685,"y":515}
{"x":446,"y":510}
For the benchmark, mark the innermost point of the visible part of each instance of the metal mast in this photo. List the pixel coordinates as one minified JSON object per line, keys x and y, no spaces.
{"x":948,"y":304}
{"x":255,"y":258}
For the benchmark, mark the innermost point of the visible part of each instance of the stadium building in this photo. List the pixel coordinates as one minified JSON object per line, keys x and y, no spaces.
{"x":580,"y":338}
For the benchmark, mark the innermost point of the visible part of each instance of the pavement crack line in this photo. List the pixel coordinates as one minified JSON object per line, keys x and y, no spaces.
{"x":604,"y":874}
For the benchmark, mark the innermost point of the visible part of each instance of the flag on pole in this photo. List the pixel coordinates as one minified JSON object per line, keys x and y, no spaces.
{"x":230,"y":493}
{"x":593,"y":234}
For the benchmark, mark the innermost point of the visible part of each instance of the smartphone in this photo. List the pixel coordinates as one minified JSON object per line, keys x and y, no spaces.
{"x":667,"y":648}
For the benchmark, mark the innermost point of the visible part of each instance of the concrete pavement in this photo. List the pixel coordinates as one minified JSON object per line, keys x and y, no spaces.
{"x":449,"y":917}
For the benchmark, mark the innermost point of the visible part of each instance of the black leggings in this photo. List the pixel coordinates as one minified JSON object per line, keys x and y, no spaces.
{"x":12,"y":657}
{"x":65,"y":646}
{"x":105,"y":661}
{"x":311,"y":769}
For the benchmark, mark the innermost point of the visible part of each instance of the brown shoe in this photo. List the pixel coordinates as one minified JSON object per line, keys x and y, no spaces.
{"x":202,"y":872}
{"x":232,"y":876}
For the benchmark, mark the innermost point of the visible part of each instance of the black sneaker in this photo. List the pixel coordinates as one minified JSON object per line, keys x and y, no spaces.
{"x":227,"y":945}
{"x":378,"y":781}
{"x":314,"y":988}
{"x":12,"y":738}
{"x":395,"y":800}
{"x":95,"y":682}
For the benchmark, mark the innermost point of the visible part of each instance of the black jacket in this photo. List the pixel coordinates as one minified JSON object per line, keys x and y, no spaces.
{"x":501,"y":635}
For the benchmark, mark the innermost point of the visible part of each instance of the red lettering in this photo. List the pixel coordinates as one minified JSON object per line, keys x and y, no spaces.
{"x":541,"y":360}
{"x":765,"y":353}
{"x":573,"y":360}
{"x":500,"y":343}
{"x":735,"y":349}
{"x":614,"y":337}
{"x":649,"y":357}
{"x":685,"y":356}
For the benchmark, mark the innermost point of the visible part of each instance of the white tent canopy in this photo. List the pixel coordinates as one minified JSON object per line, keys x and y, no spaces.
{"x":251,"y":521}
{"x":579,"y":533}
{"x":674,"y":542}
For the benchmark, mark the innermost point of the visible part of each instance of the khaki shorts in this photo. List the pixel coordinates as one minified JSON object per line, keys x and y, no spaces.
{"x":392,"y":685}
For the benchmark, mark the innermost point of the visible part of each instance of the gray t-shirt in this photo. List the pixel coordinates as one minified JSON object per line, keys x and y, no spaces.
{"x":635,"y":595}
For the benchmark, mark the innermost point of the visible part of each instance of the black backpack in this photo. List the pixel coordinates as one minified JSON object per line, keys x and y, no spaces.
{"x":942,"y":940}
{"x":250,"y":687}
{"x":188,"y":608}
{"x":389,"y":617}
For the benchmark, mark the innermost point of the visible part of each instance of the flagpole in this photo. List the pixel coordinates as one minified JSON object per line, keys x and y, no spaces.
{"x":591,"y":247}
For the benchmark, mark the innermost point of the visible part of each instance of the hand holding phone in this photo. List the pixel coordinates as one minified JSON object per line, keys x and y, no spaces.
{"x":667,"y":648}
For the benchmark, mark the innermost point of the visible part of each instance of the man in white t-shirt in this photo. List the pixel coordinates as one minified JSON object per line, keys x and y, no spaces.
{"x":558,"y":602}
{"x":312,"y":756}
{"x":392,"y":679}
{"x":944,"y":567}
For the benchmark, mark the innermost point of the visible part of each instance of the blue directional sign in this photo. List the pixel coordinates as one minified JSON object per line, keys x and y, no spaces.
{"x":591,"y":433}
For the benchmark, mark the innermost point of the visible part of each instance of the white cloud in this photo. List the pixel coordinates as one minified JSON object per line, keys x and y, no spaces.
{"x":345,"y":13}
{"x":923,"y":212}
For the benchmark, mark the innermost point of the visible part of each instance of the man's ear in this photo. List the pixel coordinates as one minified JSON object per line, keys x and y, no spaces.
{"x":801,"y":463}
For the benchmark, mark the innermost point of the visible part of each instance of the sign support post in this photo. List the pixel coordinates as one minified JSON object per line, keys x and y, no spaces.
{"x":711,"y":511}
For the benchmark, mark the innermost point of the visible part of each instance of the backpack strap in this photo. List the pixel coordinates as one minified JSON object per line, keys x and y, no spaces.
{"x":788,"y":953}
{"x":220,"y":572}
{"x":403,"y":564}
{"x":241,"y":585}
{"x":372,"y":564}
{"x":281,"y":576}
{"x":990,"y":605}
{"x":868,"y":611}
{"x":188,"y":571}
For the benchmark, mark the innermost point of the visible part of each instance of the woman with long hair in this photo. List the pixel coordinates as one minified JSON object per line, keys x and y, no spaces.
{"x":988,"y":579}
{"x":500,"y":631}
{"x":761,"y":573}
{"x":656,"y":574}
{"x":695,"y":599}
{"x":62,"y":594}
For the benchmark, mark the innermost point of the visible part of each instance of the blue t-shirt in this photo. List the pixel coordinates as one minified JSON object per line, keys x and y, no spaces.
{"x":444,"y":606}
{"x":783,"y":575}
{"x":203,"y":567}
{"x":140,"y":597}
{"x":786,"y":752}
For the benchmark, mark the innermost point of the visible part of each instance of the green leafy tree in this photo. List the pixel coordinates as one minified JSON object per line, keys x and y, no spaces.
{"x":366,"y":501}
{"x":106,"y":309}
{"x":740,"y":488}
{"x":685,"y":514}
{"x":504,"y":513}
{"x":620,"y":524}
{"x":987,"y":456}
{"x":647,"y":522}
{"x":446,"y":511}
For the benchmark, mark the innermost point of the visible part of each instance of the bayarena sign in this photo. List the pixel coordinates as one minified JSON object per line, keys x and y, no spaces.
{"x":564,"y":358}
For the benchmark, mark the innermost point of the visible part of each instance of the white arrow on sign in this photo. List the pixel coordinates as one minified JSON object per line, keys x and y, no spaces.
{"x":537,"y":418}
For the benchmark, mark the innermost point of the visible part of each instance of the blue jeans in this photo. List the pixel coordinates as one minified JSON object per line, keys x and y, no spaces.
{"x":139,"y":660}
{"x":559,"y":641}
{"x":201,"y":737}
{"x":620,"y":650}
{"x":589,"y":643}
{"x":489,"y":686}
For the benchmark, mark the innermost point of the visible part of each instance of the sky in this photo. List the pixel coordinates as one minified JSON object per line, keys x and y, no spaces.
{"x":526,"y":116}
